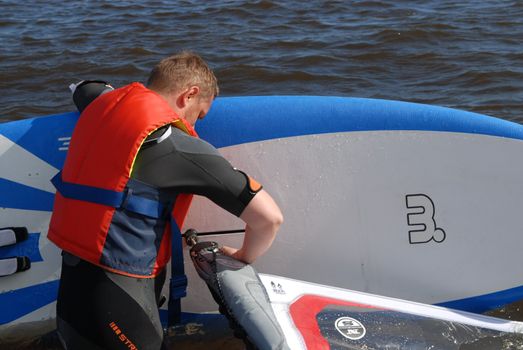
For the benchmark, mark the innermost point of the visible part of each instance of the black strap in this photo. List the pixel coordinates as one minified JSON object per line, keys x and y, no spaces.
{"x":12,"y":265}
{"x":12,"y":235}
{"x":178,"y":283}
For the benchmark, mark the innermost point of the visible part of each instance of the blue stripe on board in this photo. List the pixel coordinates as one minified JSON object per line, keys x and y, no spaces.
{"x":28,"y":248}
{"x":238,"y":120}
{"x":18,"y":196}
{"x":483,"y":303}
{"x":20,"y":302}
{"x":41,"y":136}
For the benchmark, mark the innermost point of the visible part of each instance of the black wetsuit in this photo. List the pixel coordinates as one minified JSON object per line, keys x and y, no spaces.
{"x":98,"y":309}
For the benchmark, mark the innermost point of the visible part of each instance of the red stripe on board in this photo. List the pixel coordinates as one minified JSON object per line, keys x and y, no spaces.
{"x":303,"y":312}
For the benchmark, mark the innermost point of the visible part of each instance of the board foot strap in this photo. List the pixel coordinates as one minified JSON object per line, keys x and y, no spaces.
{"x":12,"y":235}
{"x":13,"y":264}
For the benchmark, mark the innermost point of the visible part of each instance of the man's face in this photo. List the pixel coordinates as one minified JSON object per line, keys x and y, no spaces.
{"x":198,"y":109}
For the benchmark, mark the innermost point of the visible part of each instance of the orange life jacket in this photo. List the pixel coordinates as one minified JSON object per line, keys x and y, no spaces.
{"x":100,"y":213}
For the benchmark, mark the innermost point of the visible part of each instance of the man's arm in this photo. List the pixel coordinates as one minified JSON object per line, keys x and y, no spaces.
{"x":184,"y":164}
{"x":263,"y":219}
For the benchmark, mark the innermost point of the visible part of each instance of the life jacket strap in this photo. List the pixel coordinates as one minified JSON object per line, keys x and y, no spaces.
{"x":117,"y":199}
{"x":178,"y":283}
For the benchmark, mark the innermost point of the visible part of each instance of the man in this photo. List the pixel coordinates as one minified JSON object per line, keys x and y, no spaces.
{"x":133,"y":163}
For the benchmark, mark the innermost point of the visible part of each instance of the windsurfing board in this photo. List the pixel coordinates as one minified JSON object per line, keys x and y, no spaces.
{"x":392,"y":198}
{"x":314,"y":316}
{"x":405,"y":200}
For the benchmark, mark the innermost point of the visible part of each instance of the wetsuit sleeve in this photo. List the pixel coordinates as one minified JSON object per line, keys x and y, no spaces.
{"x":184,"y":164}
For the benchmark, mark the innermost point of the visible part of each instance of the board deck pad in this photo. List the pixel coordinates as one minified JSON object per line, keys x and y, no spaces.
{"x":384,"y":328}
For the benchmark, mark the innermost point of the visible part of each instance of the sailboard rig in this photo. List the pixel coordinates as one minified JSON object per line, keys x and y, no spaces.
{"x":274,"y":312}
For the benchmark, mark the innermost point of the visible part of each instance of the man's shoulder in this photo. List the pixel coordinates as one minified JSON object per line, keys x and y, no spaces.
{"x":190,"y":144}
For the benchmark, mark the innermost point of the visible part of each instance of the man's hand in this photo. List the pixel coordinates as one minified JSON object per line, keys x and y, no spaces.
{"x":231,"y":252}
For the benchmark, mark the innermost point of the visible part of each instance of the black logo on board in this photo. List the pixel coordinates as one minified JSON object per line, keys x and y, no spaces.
{"x":277,"y":288}
{"x":420,"y":218}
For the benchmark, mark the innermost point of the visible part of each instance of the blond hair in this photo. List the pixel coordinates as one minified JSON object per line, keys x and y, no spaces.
{"x":181,"y":71}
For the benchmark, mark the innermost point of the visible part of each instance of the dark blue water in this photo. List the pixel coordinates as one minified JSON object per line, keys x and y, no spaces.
{"x":465,"y":55}
{"x":461,"y":54}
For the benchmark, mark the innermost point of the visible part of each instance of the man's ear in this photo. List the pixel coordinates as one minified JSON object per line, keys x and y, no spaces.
{"x":187,"y":96}
{"x":193,"y":92}
{"x":180,"y":101}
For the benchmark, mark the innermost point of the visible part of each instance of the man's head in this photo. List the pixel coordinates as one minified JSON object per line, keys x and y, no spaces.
{"x":187,"y":83}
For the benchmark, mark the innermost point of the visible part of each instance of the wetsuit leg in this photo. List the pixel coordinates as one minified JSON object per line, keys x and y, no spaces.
{"x":97,"y":309}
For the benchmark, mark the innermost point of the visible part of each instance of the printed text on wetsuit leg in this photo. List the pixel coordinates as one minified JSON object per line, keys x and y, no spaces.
{"x":122,"y":336}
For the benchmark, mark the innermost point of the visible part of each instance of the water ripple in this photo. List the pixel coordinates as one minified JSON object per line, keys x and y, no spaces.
{"x":462,"y":55}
